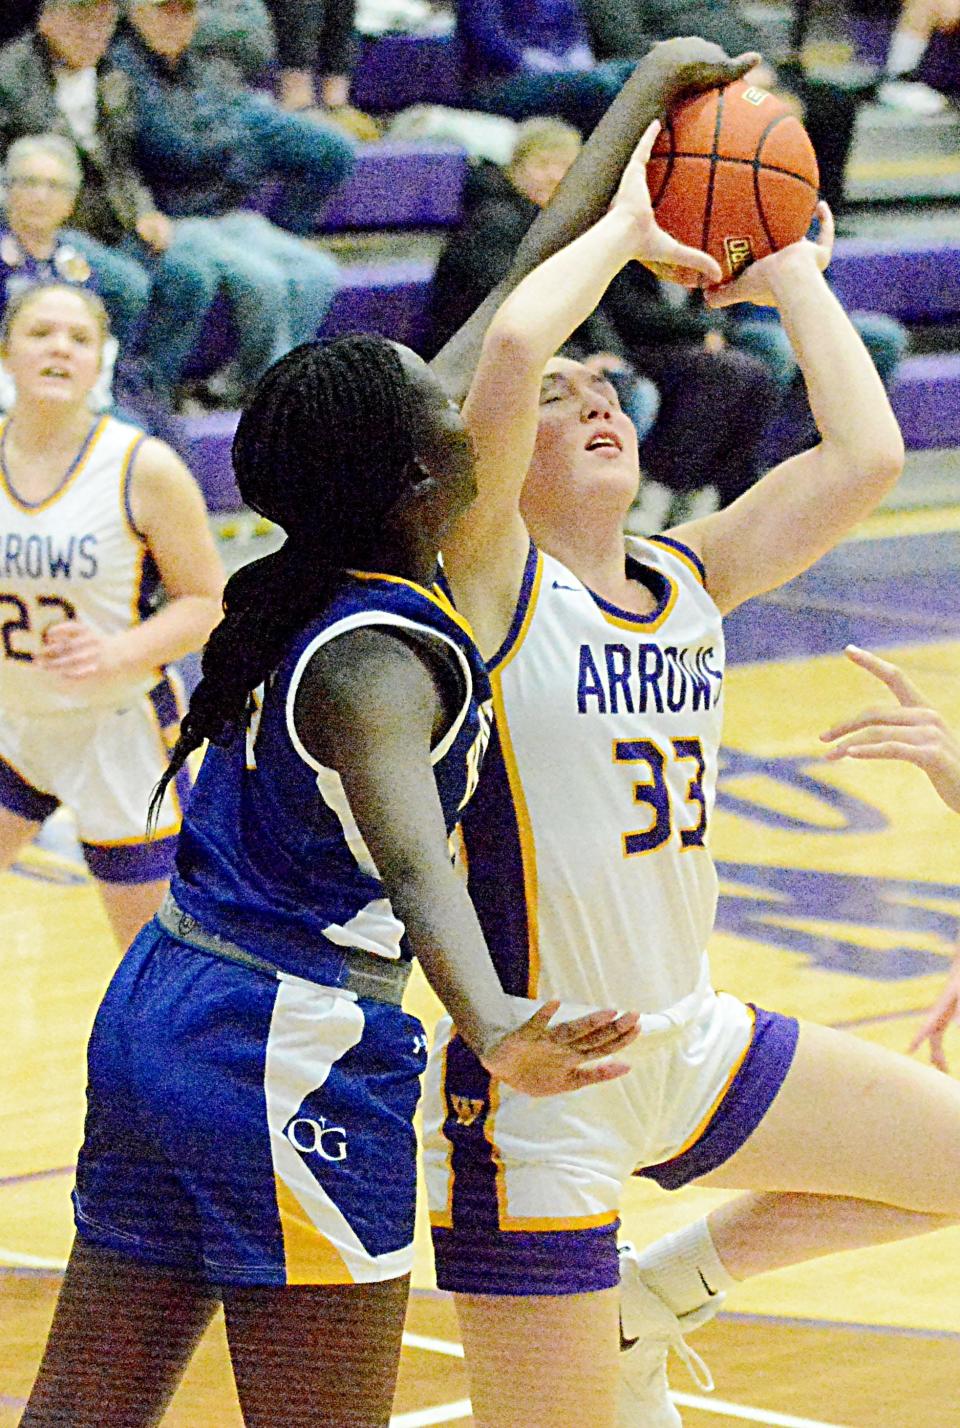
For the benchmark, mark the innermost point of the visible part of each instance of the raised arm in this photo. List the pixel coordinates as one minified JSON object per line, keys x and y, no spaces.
{"x":485,"y":554}
{"x":369,"y":707}
{"x":804,"y":506}
{"x":671,"y":69}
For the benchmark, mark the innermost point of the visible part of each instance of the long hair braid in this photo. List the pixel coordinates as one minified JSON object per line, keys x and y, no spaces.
{"x":324,"y":449}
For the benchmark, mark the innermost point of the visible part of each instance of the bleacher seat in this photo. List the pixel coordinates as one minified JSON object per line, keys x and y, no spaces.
{"x":399,"y":185}
{"x":395,"y":71}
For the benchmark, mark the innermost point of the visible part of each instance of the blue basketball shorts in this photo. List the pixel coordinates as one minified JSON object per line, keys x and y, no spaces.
{"x":525,"y":1193}
{"x":248,"y":1129}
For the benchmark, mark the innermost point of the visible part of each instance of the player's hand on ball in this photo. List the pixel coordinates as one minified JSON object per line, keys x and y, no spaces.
{"x":910,"y":730}
{"x":542,"y":1060}
{"x":654,"y":247}
{"x":757,"y":284}
{"x":77,"y":653}
{"x":691,"y":64}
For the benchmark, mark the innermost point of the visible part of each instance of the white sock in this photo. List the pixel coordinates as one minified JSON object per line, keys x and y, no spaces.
{"x":684,"y":1269}
{"x":905,"y":52}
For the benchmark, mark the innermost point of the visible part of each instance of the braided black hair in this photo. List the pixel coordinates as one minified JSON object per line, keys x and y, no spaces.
{"x":324,"y":449}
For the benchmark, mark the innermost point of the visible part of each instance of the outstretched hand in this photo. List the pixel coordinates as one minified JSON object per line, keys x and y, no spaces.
{"x":754,"y":285}
{"x":655,"y":247}
{"x":542,"y":1060}
{"x":692,"y":65}
{"x":910,"y":730}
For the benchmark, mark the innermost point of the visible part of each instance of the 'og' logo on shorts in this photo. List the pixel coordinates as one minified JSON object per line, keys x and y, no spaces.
{"x":315,"y":1137}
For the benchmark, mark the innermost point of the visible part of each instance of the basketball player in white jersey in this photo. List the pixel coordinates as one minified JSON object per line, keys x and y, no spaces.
{"x":588,"y":865}
{"x":95,"y":517}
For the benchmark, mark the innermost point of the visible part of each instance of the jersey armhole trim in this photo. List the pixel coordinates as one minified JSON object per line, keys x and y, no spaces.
{"x":375,"y":620}
{"x":684,"y":553}
{"x":523,"y":612}
{"x":126,"y":476}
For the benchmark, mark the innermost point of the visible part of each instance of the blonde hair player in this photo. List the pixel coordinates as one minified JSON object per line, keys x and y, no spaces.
{"x":96,"y":518}
{"x":588,"y":864}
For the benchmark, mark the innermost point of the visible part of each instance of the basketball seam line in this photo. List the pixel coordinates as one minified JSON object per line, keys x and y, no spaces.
{"x":758,"y":197}
{"x":752,"y":163}
{"x":714,"y":156}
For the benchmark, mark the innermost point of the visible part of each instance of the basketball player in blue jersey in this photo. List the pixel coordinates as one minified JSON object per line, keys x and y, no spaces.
{"x":252,"y":1077}
{"x":588,"y":865}
{"x":95,"y":517}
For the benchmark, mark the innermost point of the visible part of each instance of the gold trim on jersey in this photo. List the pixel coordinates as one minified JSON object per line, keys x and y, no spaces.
{"x":674,"y":548}
{"x":125,"y":473}
{"x":704,"y":1125}
{"x":528,"y":850}
{"x":525,"y":623}
{"x":70,"y":476}
{"x":436,"y":596}
{"x":443,"y":1219}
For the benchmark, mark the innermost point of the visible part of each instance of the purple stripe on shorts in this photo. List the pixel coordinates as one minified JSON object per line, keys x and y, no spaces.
{"x":22,"y":798}
{"x":518,"y":1262}
{"x":751,"y":1094}
{"x":146,"y":862}
{"x":164,"y":700}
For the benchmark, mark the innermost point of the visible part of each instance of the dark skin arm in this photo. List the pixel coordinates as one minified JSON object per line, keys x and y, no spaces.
{"x":372,"y":707}
{"x":671,"y":69}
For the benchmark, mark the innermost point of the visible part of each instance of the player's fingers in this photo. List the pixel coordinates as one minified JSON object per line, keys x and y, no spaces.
{"x":582,"y":1027}
{"x":645,"y":147}
{"x":904,"y":716}
{"x":937,"y":1054}
{"x":888,"y":673}
{"x":739,"y":66}
{"x":607,"y":1039}
{"x":538,"y":1023}
{"x":827,"y":233}
{"x":594,"y":1075}
{"x":678,"y":255}
{"x":887,"y":749}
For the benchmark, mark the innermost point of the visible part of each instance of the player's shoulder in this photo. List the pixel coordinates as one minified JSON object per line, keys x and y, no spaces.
{"x":669,"y":554}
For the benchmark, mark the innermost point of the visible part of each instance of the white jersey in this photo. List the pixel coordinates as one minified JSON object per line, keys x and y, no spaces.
{"x":76,"y":554}
{"x":586,"y":842}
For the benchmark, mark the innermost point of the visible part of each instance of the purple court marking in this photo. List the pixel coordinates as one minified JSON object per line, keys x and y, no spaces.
{"x":900,"y":590}
{"x":9,"y":1400}
{"x":6,"y":1180}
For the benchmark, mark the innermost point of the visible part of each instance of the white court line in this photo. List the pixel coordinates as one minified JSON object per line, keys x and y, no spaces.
{"x":444,"y":1413}
{"x":16,"y":1259}
{"x":748,"y":1415}
{"x":433,"y":1346}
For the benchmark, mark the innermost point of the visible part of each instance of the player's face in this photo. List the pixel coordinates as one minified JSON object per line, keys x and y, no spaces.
{"x":54,"y":348}
{"x":585,"y":458}
{"x":442,"y":443}
{"x":40,"y":195}
{"x":78,"y":34}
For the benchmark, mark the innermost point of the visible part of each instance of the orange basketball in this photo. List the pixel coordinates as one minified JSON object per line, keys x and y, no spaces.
{"x":733,"y":172}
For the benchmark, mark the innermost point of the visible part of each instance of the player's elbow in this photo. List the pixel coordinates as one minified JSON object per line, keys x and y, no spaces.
{"x":881,"y":460}
{"x":511,"y":343}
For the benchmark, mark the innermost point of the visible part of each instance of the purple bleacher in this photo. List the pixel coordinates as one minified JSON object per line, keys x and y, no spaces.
{"x":915,"y":281}
{"x":209,"y":439}
{"x":400,"y":186}
{"x":388,"y":298}
{"x":926,"y":400}
{"x":395,"y":71}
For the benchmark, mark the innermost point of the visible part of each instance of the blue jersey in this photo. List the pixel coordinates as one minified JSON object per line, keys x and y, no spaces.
{"x":270,"y":855}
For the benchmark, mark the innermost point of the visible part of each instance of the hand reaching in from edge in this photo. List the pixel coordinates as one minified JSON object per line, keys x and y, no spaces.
{"x":542,"y":1060}
{"x":910,"y":730}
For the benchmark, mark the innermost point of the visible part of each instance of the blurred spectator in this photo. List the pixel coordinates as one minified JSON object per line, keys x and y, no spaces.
{"x":17,"y":16}
{"x":207,"y":146}
{"x":317,"y":52}
{"x":530,"y":57}
{"x":917,"y":23}
{"x":715,"y":401}
{"x":59,"y":79}
{"x":41,"y":181}
{"x":625,"y":28}
{"x":239,"y":34}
